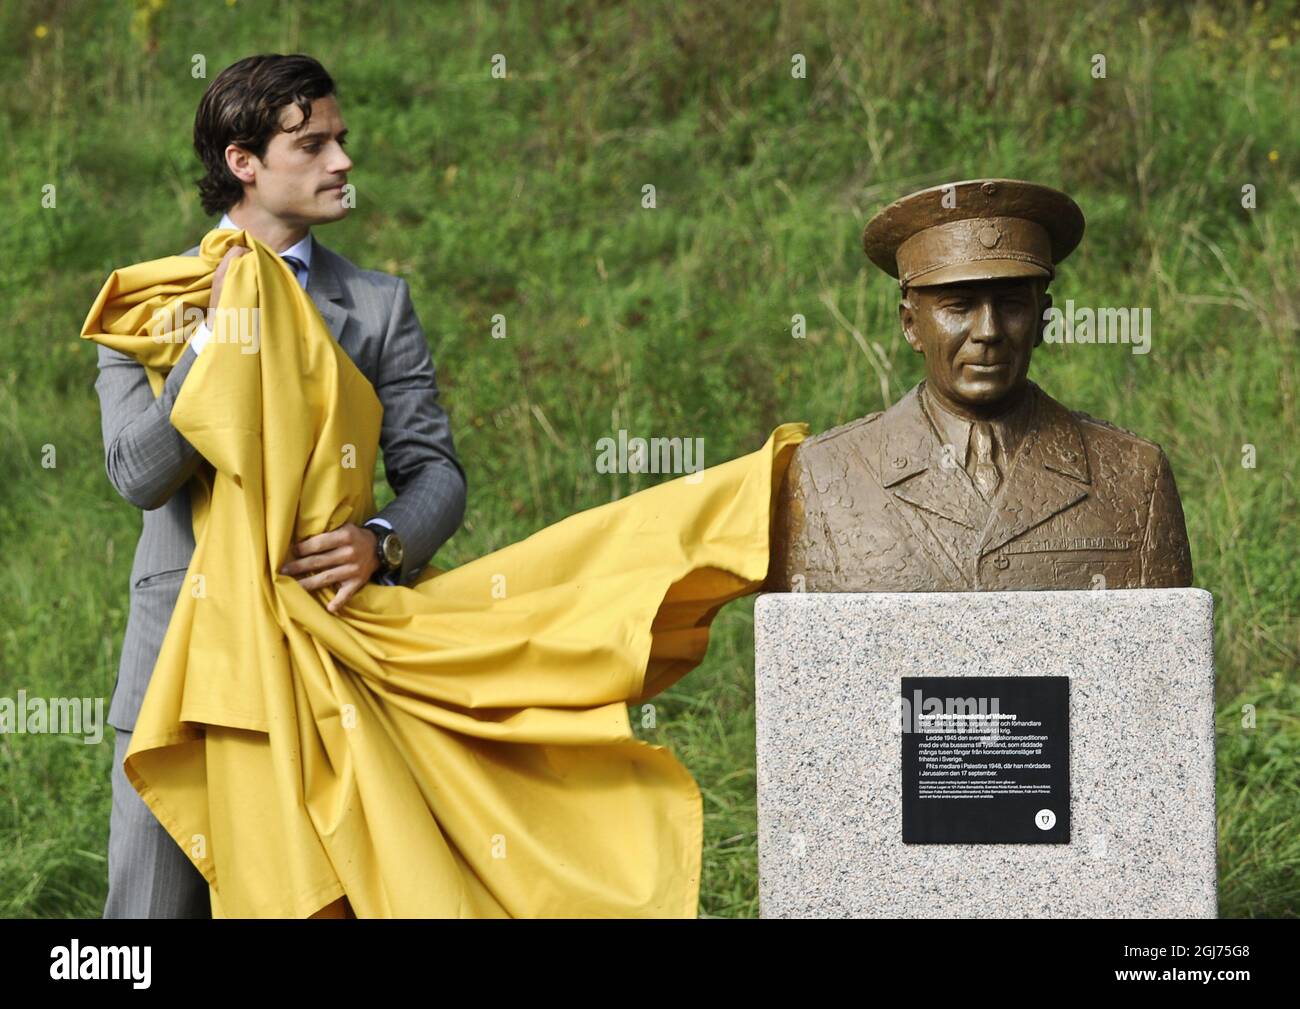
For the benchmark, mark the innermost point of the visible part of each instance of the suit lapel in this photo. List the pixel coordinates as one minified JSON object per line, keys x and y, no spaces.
{"x":1049,"y":474}
{"x":324,"y":288}
{"x":326,"y":291}
{"x":911,"y":466}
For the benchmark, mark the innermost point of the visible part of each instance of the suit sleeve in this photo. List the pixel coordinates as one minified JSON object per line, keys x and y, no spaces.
{"x":420,"y":460}
{"x":146,"y":458}
{"x":1166,"y":554}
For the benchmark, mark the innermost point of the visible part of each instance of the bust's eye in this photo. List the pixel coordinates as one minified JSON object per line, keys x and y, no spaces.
{"x":957,"y":304}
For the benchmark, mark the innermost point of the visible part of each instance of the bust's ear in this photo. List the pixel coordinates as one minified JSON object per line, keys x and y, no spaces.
{"x":907,"y":316}
{"x":1044,"y":306}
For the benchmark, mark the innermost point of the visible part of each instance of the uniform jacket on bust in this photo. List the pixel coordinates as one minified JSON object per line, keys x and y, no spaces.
{"x":871,"y":506}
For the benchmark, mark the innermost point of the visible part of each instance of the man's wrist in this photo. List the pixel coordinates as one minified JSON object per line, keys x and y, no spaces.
{"x":381,"y":529}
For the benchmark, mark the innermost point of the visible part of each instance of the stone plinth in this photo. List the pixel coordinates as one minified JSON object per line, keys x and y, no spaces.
{"x":1141,"y":769}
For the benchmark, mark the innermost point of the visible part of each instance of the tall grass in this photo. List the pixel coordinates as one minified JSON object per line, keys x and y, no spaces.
{"x":522,"y":197}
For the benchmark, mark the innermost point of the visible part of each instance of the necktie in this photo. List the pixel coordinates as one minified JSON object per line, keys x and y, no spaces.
{"x":986,"y":475}
{"x":297,"y":265}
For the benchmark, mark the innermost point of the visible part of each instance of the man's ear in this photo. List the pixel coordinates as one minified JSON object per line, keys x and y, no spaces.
{"x":239,"y":162}
{"x":907,"y":316}
{"x":1044,"y":306}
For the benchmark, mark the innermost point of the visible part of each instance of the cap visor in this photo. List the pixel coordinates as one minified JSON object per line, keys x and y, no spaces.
{"x":984,"y":269}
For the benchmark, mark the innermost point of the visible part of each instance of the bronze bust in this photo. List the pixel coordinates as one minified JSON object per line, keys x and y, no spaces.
{"x":977,"y":479}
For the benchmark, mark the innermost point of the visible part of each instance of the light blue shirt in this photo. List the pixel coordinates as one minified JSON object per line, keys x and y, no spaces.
{"x":302,"y":252}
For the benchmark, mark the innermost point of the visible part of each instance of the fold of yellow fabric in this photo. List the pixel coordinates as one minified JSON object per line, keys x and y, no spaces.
{"x":457,"y":748}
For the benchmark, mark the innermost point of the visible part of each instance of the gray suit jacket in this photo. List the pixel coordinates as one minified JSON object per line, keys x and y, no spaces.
{"x":149,"y":462}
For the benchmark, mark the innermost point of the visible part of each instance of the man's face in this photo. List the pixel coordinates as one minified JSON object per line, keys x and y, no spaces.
{"x":300,"y":179}
{"x":977,"y":337}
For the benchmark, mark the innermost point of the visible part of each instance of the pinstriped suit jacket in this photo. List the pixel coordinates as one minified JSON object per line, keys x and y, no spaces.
{"x":149,"y":461}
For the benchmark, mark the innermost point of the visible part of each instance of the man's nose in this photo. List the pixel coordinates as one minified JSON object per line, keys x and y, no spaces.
{"x":341,"y":163}
{"x":984,"y":327}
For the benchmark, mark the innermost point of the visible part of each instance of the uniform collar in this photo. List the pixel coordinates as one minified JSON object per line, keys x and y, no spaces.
{"x":1008,"y":430}
{"x":909,"y":442}
{"x":1049,"y":472}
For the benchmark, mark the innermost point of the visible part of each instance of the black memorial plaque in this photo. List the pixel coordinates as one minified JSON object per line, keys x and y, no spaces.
{"x":986,"y":759}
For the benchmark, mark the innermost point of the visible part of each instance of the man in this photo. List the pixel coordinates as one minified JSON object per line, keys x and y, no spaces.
{"x":271,"y":138}
{"x":977,"y":479}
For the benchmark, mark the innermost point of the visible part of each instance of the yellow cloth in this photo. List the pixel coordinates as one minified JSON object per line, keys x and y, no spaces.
{"x":459,"y":748}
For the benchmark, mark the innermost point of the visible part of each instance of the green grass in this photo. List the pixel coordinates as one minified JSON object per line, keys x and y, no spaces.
{"x":522,"y":197}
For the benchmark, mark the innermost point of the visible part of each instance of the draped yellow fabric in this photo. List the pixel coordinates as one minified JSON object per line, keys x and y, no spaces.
{"x":458,"y":748}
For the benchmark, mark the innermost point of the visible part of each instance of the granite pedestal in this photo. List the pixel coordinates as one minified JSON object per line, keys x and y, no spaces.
{"x":1141,"y":753}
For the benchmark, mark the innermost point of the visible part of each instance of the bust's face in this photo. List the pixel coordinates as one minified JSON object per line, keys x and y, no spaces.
{"x":977,"y":338}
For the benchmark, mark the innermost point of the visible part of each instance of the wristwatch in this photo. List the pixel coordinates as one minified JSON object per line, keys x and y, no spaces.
{"x":388,"y":547}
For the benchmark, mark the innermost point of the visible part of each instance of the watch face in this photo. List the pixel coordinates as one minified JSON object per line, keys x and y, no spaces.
{"x":392,"y":551}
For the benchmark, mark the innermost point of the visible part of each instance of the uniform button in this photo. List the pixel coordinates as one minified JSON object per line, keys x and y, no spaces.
{"x":900,"y":461}
{"x":1002,"y":562}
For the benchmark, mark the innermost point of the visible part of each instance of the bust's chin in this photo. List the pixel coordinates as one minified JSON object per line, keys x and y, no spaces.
{"x":986,"y":395}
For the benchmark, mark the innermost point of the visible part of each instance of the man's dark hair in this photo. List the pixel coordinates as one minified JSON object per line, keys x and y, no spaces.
{"x":242,"y":106}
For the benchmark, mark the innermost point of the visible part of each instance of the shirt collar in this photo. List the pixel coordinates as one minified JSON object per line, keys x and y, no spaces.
{"x":953,"y":430}
{"x":301,"y":250}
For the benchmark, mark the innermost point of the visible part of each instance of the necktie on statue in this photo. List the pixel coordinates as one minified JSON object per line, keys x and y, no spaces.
{"x":986,"y":474}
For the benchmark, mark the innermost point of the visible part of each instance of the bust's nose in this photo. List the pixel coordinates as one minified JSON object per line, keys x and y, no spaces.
{"x":984,"y":325}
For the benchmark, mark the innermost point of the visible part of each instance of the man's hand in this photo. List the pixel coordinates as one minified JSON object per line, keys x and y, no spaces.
{"x":219,"y":278}
{"x":346,"y":556}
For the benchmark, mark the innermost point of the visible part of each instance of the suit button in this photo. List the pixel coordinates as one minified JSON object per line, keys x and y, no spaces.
{"x":1002,"y":562}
